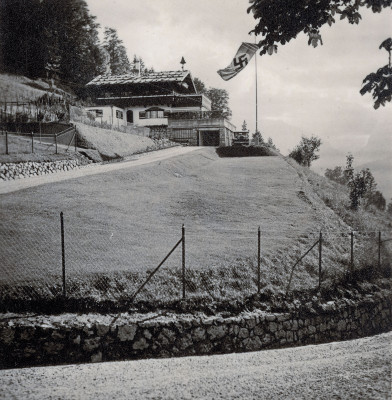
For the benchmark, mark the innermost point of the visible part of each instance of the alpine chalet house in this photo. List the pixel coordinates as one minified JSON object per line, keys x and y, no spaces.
{"x":166,"y":102}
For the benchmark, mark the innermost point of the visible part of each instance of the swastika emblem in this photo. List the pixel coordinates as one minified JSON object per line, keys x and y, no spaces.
{"x":240,"y":62}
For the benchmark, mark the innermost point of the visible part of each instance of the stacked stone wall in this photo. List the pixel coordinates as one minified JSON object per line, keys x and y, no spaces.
{"x":10,"y":171}
{"x":72,"y":338}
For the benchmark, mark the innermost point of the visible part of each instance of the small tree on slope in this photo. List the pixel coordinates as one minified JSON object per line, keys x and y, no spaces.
{"x":305,"y":152}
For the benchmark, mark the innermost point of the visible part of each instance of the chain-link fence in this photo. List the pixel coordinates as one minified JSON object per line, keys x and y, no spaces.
{"x":107,"y":263}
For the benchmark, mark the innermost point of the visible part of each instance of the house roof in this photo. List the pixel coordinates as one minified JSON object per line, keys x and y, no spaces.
{"x":151,"y":77}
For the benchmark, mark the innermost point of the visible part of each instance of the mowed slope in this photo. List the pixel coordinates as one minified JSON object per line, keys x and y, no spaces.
{"x":128,"y":220}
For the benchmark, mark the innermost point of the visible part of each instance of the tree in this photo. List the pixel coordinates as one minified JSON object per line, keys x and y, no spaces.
{"x":257,"y":139}
{"x":219,"y":98}
{"x":389,"y":208}
{"x":279,"y":21}
{"x":219,"y":101}
{"x":74,"y":32}
{"x":362,"y":186}
{"x":244,"y":126}
{"x":305,"y":152}
{"x":119,"y":63}
{"x":337,"y":175}
{"x":199,"y":85}
{"x":380,"y":82}
{"x":271,"y":144}
{"x":57,"y":36}
{"x":377,"y":199}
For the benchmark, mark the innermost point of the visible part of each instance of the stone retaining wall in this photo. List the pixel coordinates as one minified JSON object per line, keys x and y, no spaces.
{"x":10,"y":171}
{"x":71,"y":338}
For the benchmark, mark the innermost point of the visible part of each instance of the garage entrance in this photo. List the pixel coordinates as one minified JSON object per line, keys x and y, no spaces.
{"x":209,"y":138}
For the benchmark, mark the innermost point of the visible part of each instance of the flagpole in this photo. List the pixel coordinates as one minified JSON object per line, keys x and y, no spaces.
{"x":256,"y":84}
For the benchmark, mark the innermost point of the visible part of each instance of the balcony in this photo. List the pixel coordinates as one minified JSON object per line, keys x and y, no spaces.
{"x":199,"y":115}
{"x":153,"y":122}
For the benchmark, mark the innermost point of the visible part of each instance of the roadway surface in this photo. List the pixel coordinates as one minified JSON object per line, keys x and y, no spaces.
{"x":93,"y":169}
{"x":357,"y":369}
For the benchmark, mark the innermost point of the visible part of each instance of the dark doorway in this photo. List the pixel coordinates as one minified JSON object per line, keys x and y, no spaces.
{"x":130,"y":116}
{"x":209,"y":138}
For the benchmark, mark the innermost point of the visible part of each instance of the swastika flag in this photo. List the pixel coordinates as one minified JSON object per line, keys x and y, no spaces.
{"x":240,"y":61}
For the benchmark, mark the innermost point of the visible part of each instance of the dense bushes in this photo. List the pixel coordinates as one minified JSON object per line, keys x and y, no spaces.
{"x":245,"y":151}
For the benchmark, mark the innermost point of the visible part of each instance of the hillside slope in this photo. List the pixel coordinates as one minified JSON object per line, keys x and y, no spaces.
{"x":112,"y":144}
{"x":121,"y":223}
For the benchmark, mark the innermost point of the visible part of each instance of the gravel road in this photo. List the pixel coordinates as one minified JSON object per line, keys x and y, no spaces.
{"x":356,"y":369}
{"x":93,"y":169}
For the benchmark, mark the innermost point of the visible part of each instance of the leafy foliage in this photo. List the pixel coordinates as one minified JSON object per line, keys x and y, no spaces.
{"x":199,"y":85}
{"x":380,"y":83}
{"x":279,"y":21}
{"x":55,"y":39}
{"x":138,"y":65}
{"x":361,"y":184}
{"x":305,"y":152}
{"x":219,"y":98}
{"x":119,"y":63}
{"x":337,"y":175}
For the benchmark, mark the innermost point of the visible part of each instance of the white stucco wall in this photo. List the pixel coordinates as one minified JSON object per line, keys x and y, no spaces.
{"x":109,"y":115}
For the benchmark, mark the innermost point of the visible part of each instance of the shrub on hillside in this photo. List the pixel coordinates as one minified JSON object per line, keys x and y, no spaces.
{"x":305,"y":152}
{"x":361,"y":185}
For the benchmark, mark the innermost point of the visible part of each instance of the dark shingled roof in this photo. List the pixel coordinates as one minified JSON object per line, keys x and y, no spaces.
{"x":153,"y":77}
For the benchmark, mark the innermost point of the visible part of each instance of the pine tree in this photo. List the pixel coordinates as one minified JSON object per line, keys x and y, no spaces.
{"x":119,"y":62}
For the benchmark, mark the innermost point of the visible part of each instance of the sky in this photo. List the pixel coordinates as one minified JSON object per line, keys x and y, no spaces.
{"x":301,"y":90}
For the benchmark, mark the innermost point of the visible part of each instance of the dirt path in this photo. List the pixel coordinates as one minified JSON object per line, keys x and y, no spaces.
{"x":357,"y":369}
{"x":93,"y":169}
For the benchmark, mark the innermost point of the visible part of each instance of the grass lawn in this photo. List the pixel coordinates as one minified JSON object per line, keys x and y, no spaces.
{"x":121,"y":224}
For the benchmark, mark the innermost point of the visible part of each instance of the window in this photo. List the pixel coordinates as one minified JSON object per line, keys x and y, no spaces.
{"x":98,"y":113}
{"x":154,"y":112}
{"x":119,"y":114}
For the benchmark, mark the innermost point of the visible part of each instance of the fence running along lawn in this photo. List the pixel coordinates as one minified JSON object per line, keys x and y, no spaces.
{"x":42,"y":143}
{"x":103,"y":264}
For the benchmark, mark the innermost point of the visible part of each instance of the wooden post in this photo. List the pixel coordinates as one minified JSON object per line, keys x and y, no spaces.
{"x":32,"y":142}
{"x":6,"y":143}
{"x":352,"y":253}
{"x":379,"y":250}
{"x":55,"y":140}
{"x":75,"y":139}
{"x":183,"y":261}
{"x":258,"y":259}
{"x":320,"y":257}
{"x":63,"y":251}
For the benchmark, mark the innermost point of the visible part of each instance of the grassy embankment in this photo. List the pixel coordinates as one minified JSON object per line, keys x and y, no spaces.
{"x":120,"y":225}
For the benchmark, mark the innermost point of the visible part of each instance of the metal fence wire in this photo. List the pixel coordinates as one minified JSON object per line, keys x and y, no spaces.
{"x":36,"y":142}
{"x":103,"y":263}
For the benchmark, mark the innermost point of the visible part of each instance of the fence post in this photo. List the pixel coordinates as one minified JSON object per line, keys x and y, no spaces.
{"x":32,"y":142}
{"x":6,"y":143}
{"x":379,"y":250}
{"x":55,"y":140}
{"x":258,"y":259}
{"x":352,"y":253}
{"x":183,"y":261}
{"x":76,"y":138}
{"x":320,"y":257}
{"x":63,"y":251}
